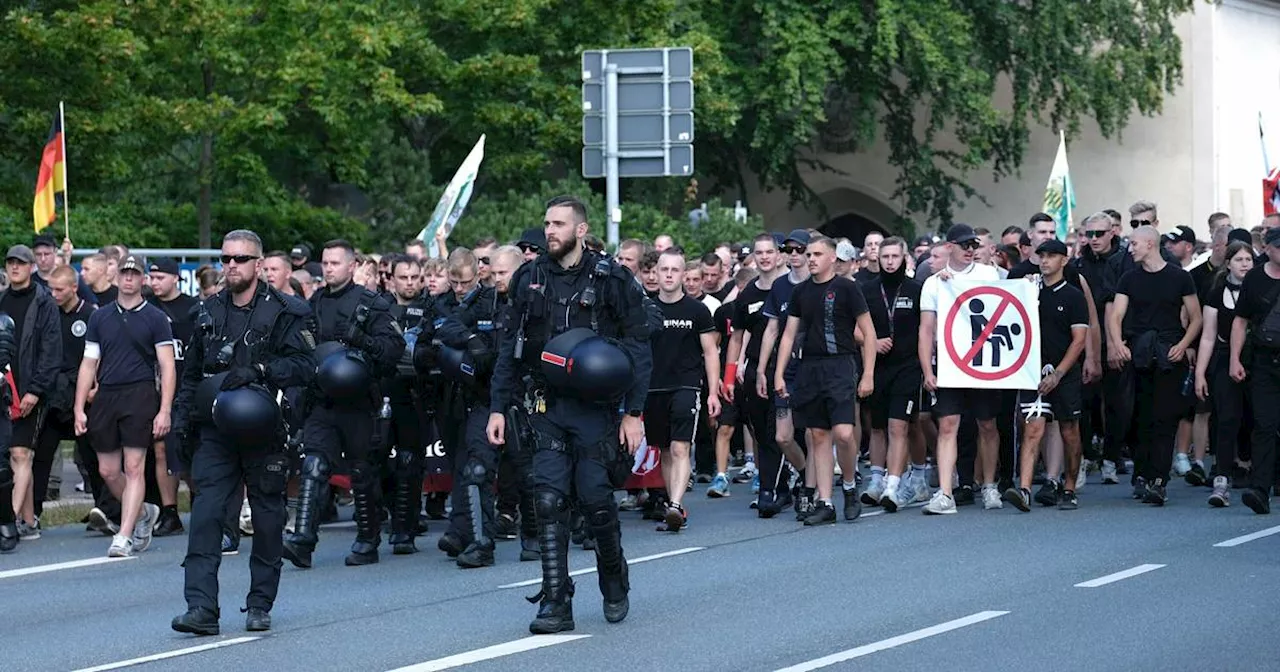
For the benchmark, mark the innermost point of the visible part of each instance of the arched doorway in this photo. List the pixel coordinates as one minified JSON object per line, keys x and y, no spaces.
{"x":852,"y":226}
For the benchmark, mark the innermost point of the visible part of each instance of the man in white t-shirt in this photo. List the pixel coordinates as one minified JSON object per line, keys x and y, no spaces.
{"x":950,"y":403}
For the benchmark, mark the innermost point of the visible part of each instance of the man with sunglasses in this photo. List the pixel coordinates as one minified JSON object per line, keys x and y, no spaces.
{"x":532,"y":243}
{"x":484,"y":254}
{"x":257,"y":338}
{"x":343,"y":420}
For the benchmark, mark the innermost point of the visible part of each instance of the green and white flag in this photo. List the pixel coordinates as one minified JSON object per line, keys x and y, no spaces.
{"x":454,"y":200}
{"x":1060,"y":193}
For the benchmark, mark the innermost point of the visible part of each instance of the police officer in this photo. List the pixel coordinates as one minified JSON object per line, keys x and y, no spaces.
{"x":359,"y":345}
{"x":251,"y":343}
{"x":467,"y":350}
{"x":409,"y":394}
{"x":574,"y":305}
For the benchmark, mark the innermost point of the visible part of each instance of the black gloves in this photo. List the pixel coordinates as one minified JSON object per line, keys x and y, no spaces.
{"x":478,"y":348}
{"x":240,"y":376}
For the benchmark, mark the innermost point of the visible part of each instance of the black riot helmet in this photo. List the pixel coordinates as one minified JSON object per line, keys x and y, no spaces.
{"x":584,"y":364}
{"x":206,"y":393}
{"x":457,"y":365}
{"x":341,"y":373}
{"x":247,"y":415}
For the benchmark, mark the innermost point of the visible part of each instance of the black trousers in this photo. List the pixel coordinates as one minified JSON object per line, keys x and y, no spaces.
{"x":6,"y":474}
{"x":1231,"y":424}
{"x":56,"y":430}
{"x":220,"y":469}
{"x":1158,"y":405}
{"x":760,"y":417}
{"x":575,"y":440}
{"x":1118,"y":400}
{"x":704,"y":439}
{"x":1265,"y":376}
{"x":1007,"y":424}
{"x":475,"y":464}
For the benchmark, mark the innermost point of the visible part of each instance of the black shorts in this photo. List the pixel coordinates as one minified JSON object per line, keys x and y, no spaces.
{"x":896,"y":396}
{"x":731,"y":414}
{"x":122,"y":415}
{"x":26,"y":431}
{"x":826,"y":392}
{"x":671,"y":416}
{"x":1064,"y":402}
{"x":980,"y":404}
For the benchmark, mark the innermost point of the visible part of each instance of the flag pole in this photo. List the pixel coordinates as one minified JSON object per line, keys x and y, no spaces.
{"x":66,"y":203}
{"x":1067,"y":189}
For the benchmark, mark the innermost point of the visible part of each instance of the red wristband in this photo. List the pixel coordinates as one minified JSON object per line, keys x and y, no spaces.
{"x":730,"y":373}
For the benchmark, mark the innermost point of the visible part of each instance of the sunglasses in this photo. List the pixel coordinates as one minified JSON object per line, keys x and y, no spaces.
{"x":1096,"y":234}
{"x":238,"y":258}
{"x":793,"y":249}
{"x":528,"y":248}
{"x":970,"y":245}
{"x":1135,"y":223}
{"x":483,"y":260}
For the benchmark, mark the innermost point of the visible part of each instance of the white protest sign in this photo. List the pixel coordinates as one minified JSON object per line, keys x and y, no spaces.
{"x":989,"y":334}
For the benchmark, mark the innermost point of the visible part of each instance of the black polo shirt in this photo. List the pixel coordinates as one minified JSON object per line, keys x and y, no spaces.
{"x":1062,"y":308}
{"x":118,"y":339}
{"x":75,"y":325}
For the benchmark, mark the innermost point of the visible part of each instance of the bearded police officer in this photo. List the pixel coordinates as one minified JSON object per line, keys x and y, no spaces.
{"x":251,"y":343}
{"x":359,"y":345}
{"x":574,"y":347}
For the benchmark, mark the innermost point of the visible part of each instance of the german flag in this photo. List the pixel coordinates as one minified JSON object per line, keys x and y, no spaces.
{"x":52,"y":178}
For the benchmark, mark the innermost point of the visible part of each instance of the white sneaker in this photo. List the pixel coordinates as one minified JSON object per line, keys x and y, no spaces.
{"x":876,"y":490}
{"x":941,"y":504}
{"x":920,"y":491}
{"x":1181,"y":464}
{"x":890,"y":495}
{"x":991,"y":498}
{"x":246,"y":519}
{"x":121,"y":547}
{"x":142,"y":529}
{"x":1082,"y":478}
{"x":629,"y":503}
{"x":1109,"y":476}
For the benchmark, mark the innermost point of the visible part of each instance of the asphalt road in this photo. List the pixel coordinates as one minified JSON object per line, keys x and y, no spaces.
{"x":981,"y":590}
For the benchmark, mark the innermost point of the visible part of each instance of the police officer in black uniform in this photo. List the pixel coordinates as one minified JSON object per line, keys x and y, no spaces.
{"x":360,"y":344}
{"x":410,"y":411}
{"x":575,"y":306}
{"x":251,"y":343}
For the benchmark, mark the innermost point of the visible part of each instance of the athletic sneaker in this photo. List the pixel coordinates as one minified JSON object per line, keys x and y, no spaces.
{"x":1139,"y":488}
{"x":28,"y":532}
{"x":1195,"y":476}
{"x":1109,"y":473}
{"x":1155,"y":493}
{"x":1068,"y":501}
{"x":1083,"y":476}
{"x":1221,"y":496}
{"x":919,"y":491}
{"x":941,"y":504}
{"x":121,"y":547}
{"x":230,"y":546}
{"x":629,"y":503}
{"x":142,"y":529}
{"x":823,"y":514}
{"x":745,"y":474}
{"x":991,"y":497}
{"x":852,"y":505}
{"x":703,"y":478}
{"x":889,"y":498}
{"x":1181,"y":464}
{"x":1257,"y":499}
{"x":755,"y":484}
{"x":719,"y":486}
{"x":1048,"y":493}
{"x":874,"y":492}
{"x":100,"y":523}
{"x":963,"y":495}
{"x":246,"y":519}
{"x":1019,"y":497}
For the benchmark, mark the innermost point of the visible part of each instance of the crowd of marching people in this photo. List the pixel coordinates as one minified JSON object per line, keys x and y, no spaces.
{"x":797,"y":363}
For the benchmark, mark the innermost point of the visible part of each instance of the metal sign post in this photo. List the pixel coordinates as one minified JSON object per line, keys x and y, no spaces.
{"x":637,"y":118}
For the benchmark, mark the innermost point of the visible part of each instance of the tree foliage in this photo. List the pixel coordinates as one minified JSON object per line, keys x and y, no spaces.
{"x":369,"y":105}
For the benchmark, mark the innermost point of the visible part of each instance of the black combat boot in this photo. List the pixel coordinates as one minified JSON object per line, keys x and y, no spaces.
{"x":8,"y":537}
{"x":404,"y":515}
{"x":368,"y":535}
{"x":478,"y":553}
{"x":611,"y":564}
{"x":299,"y":545}
{"x":555,"y":613}
{"x":197,"y":621}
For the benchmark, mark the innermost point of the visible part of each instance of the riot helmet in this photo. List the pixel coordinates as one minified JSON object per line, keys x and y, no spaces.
{"x":247,"y":415}
{"x":341,"y":373}
{"x":584,"y":364}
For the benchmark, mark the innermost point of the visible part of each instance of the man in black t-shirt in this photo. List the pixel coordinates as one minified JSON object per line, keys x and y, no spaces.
{"x":894,"y":302}
{"x":1147,"y":335}
{"x":97,"y":274}
{"x":128,"y":346}
{"x":827,"y":309}
{"x":1064,"y":327}
{"x":684,"y":356}
{"x":1257,"y":322}
{"x":178,"y":307}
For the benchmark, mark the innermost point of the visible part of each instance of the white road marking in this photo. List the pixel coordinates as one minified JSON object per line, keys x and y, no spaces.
{"x":170,"y":654}
{"x":491,"y":652}
{"x":70,"y":564}
{"x":1248,"y":537}
{"x":868,"y":649}
{"x":590,"y":570}
{"x":1118,"y":576}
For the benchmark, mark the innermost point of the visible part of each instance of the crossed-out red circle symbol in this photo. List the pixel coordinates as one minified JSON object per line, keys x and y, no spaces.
{"x":1006,"y":299}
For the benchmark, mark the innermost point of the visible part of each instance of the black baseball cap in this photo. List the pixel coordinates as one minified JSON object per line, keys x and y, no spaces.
{"x":961,"y":233}
{"x":536,"y":238}
{"x":314,"y":268}
{"x":1180,"y":234}
{"x":163,"y":265}
{"x":1053,"y":246}
{"x":1272,"y":236}
{"x":1241,"y":236}
{"x":300,"y":251}
{"x":43,"y":240}
{"x":131,"y":263}
{"x":798,"y":236}
{"x":21,"y":253}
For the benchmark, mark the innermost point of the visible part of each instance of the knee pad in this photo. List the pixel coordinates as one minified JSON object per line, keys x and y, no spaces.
{"x":316,"y":467}
{"x":601,"y":516}
{"x":550,"y":506}
{"x":474,"y":473}
{"x":406,"y":460}
{"x":364,"y":477}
